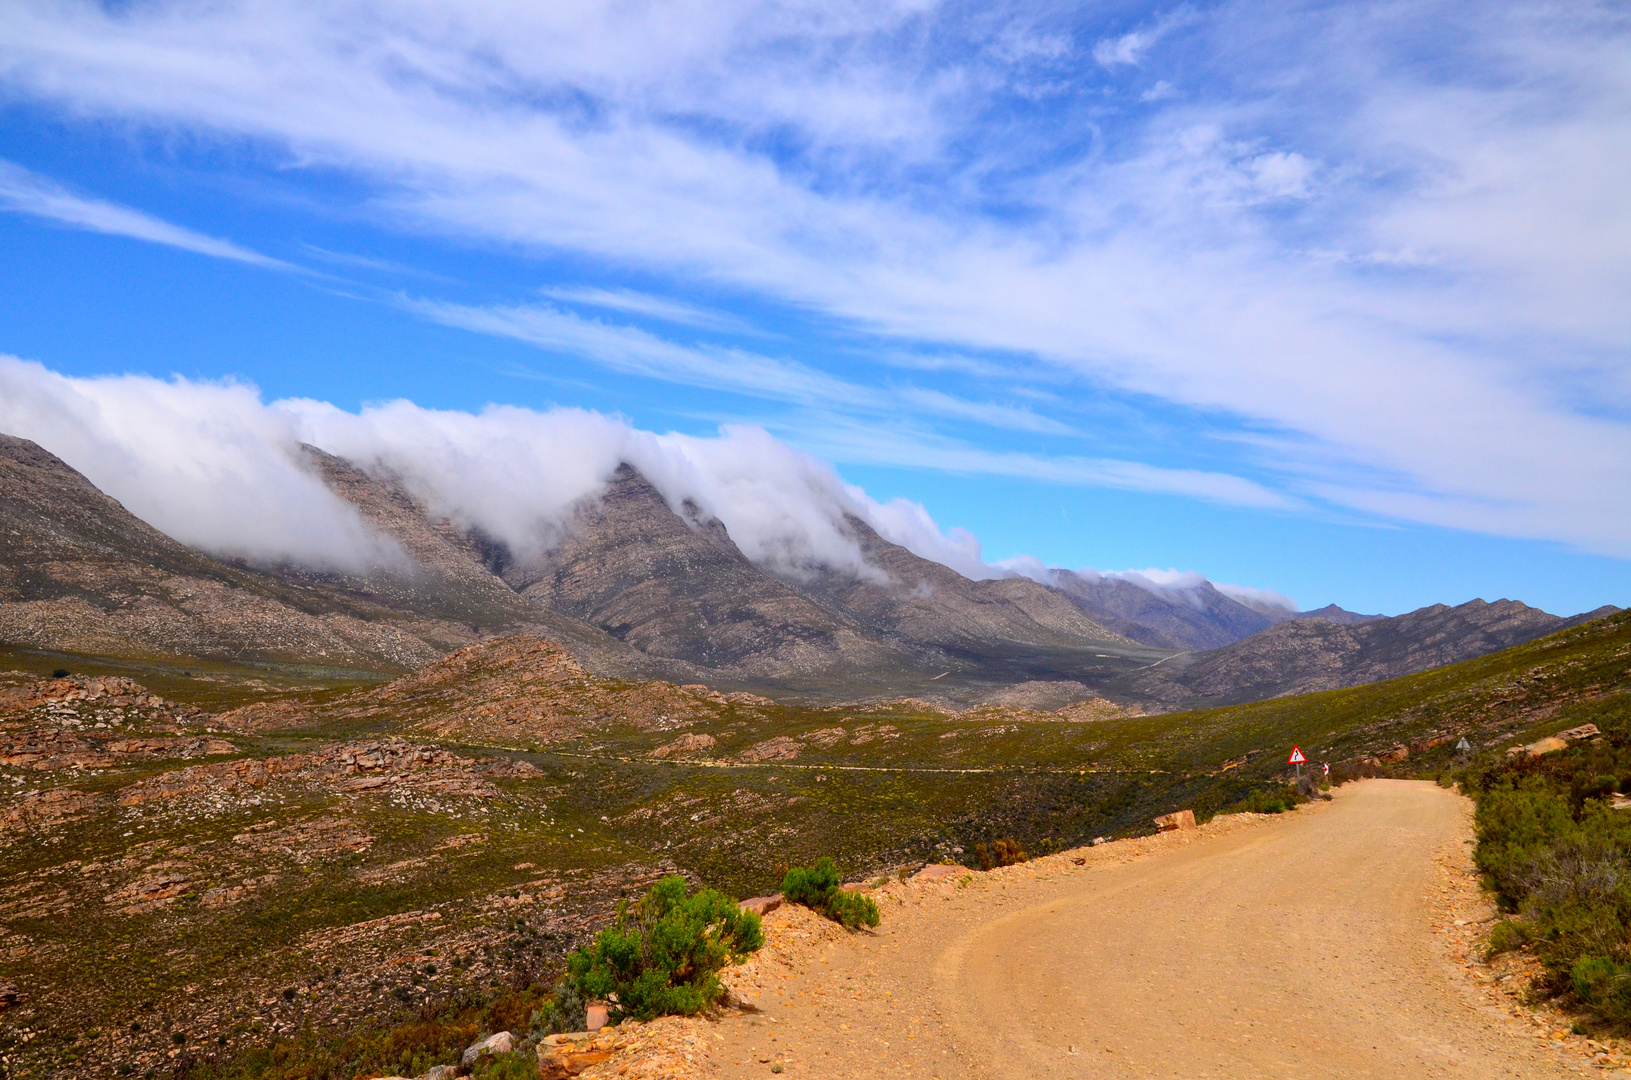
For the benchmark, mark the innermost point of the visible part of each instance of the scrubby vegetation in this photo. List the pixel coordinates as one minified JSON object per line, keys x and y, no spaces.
{"x":408,"y":1045}
{"x":817,"y":887}
{"x":1003,"y":852}
{"x":1559,"y":857}
{"x":503,"y":886}
{"x":663,"y":954}
{"x":1274,"y":800}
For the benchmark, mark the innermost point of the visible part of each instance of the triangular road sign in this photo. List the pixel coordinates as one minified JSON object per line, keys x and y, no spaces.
{"x":1463,"y":746}
{"x":1296,"y":757}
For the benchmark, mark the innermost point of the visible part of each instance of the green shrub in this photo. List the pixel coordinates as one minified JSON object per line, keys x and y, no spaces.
{"x":521,"y":1065}
{"x":811,"y":885}
{"x":1603,"y":984}
{"x":662,"y":955}
{"x":1004,"y":852}
{"x":566,"y":1010}
{"x":1505,"y":936}
{"x":1261,"y":801}
{"x":852,"y":909}
{"x":816,"y":887}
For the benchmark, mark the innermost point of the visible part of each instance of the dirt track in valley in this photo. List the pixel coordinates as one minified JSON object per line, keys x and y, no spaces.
{"x":1300,"y":946}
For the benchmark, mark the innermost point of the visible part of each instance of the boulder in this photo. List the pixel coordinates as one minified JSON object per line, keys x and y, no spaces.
{"x":564,"y":1056}
{"x":940,"y":872}
{"x":596,"y":1014}
{"x":442,"y":1072}
{"x":501,"y":1043}
{"x":1181,"y":819}
{"x":762,"y":905}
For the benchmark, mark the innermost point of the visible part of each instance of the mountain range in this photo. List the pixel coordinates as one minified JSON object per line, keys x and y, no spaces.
{"x":636,"y":588}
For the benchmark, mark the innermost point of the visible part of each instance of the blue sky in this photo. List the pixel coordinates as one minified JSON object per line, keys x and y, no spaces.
{"x":1328,"y":299}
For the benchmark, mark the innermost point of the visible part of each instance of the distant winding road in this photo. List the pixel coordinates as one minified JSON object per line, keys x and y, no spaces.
{"x":1300,"y":947}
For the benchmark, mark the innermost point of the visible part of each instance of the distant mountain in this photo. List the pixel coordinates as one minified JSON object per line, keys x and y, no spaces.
{"x":681,"y":589}
{"x":927,"y":603}
{"x":1334,"y":614}
{"x":1189,"y":617}
{"x":78,"y":572}
{"x":674,"y":584}
{"x":1302,"y":655}
{"x":636,"y":589}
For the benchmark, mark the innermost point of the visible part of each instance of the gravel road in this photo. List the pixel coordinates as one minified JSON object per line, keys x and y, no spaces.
{"x":1299,"y":946}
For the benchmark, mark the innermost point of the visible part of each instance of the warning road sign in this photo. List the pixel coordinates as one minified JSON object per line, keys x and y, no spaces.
{"x":1327,"y":768}
{"x":1463,"y":746}
{"x":1296,"y":757}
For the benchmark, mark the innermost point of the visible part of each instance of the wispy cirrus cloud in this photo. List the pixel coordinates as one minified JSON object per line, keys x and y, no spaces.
{"x":24,"y":192}
{"x":631,"y":302}
{"x":1399,"y":236}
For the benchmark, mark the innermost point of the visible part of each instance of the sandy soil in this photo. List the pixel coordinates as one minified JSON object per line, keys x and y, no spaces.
{"x":1307,"y":945}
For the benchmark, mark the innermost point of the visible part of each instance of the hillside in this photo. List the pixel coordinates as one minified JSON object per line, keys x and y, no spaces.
{"x":80,"y":573}
{"x":925,"y":603}
{"x":673,"y":587}
{"x":1308,"y":655}
{"x":635,"y":590}
{"x":1193,"y":617}
{"x":178,"y":865}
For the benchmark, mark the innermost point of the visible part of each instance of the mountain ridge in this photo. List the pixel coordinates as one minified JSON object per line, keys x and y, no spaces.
{"x":1300,"y":656}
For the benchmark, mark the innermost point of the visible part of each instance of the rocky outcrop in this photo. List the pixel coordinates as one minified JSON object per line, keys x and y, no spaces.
{"x":1175,"y":821}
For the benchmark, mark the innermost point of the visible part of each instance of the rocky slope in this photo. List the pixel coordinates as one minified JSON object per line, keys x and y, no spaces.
{"x":923,"y":602}
{"x":681,"y":590}
{"x":1196,"y":617}
{"x":633,"y":589}
{"x":1305,"y":655}
{"x":80,"y":573}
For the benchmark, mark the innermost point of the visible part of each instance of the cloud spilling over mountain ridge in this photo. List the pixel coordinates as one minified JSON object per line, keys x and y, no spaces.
{"x":217,"y":468}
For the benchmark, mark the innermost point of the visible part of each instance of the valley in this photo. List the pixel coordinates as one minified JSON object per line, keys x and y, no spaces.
{"x":245,"y":807}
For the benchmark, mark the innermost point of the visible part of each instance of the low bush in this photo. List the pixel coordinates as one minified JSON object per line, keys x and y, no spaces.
{"x":1261,"y":801}
{"x":566,"y":1010}
{"x":852,"y":909}
{"x":817,"y":888}
{"x":662,"y":955}
{"x":811,"y":885}
{"x":1002,"y":852}
{"x":1505,"y":936}
{"x":521,"y":1065}
{"x":1555,"y":851}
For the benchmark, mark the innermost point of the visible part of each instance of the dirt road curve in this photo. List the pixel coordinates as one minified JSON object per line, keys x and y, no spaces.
{"x":1296,"y":947}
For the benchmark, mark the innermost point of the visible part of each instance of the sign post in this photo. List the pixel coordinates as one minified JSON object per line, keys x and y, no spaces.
{"x":1297,"y":759}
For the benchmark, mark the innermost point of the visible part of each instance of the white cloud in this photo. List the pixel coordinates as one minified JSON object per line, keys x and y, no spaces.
{"x":23,"y":192}
{"x":656,"y":307}
{"x":213,"y":466}
{"x":1257,"y":598}
{"x":205,"y":463}
{"x":1127,"y":50}
{"x":845,"y":158}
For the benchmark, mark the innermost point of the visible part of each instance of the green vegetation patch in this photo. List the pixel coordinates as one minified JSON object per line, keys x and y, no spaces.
{"x":817,"y":888}
{"x":663,"y":954}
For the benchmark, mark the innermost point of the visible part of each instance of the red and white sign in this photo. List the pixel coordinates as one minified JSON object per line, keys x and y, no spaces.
{"x":1296,"y":757}
{"x":1327,"y":768}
